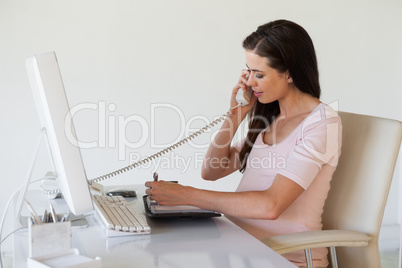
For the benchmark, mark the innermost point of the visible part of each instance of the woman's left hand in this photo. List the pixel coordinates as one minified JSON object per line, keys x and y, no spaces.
{"x":167,"y":193}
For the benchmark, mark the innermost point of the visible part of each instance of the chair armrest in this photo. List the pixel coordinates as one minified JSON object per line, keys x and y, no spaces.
{"x":316,"y":239}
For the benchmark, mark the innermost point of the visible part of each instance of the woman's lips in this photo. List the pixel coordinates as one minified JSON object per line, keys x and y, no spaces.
{"x":257,"y":94}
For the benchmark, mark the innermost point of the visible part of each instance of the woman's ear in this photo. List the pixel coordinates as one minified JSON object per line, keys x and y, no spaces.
{"x":290,"y":79}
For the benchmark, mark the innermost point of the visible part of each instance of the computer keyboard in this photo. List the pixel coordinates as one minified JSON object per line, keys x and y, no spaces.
{"x":118,"y":218}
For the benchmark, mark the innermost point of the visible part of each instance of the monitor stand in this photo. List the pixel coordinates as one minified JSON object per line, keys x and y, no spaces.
{"x":51,"y":193}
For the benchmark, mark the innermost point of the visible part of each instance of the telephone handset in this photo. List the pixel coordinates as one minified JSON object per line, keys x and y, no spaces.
{"x":242,"y":98}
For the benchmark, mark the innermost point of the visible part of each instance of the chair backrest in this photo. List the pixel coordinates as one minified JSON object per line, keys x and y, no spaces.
{"x":360,"y":185}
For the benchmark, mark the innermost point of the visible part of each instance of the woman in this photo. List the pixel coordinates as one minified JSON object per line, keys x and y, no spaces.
{"x":291,"y":149}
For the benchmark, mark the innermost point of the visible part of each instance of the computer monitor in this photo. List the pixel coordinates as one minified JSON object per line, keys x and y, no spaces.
{"x":53,"y":109}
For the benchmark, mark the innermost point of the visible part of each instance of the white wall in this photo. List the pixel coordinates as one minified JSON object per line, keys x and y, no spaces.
{"x":133,"y":54}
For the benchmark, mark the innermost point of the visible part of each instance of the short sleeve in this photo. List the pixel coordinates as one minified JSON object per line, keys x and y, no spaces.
{"x":319,"y":144}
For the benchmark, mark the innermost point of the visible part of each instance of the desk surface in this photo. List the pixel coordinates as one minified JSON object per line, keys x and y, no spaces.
{"x":214,"y":242}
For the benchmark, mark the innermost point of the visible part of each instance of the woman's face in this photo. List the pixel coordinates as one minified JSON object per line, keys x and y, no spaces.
{"x":267,"y":83}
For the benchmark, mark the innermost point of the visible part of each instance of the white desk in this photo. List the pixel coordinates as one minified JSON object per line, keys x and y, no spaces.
{"x":214,"y":242}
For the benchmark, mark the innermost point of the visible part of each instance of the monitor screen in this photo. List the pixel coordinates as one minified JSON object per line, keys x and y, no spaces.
{"x":53,"y":109}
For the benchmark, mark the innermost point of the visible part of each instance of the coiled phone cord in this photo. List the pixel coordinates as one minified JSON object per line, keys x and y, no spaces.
{"x":164,"y":151}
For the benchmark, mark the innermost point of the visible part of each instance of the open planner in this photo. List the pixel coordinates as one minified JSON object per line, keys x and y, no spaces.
{"x":154,"y":210}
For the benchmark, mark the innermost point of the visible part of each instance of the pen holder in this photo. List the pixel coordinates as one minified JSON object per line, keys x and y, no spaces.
{"x":48,"y":238}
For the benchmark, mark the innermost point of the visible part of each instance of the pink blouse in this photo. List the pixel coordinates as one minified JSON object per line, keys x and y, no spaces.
{"x":308,"y":156}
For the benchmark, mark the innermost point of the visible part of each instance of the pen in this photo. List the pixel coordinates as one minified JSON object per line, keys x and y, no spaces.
{"x":53,"y":213}
{"x":44,"y":217}
{"x":67,"y":216}
{"x":155,"y":176}
{"x":33,"y":213}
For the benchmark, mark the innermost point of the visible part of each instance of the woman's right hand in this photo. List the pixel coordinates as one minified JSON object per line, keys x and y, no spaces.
{"x":242,"y":85}
{"x":221,"y":158}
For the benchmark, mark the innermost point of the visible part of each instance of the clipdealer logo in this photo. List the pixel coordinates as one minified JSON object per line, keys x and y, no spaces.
{"x":112,"y":128}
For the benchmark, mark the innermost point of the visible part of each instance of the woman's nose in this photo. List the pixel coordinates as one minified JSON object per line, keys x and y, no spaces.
{"x":250,"y":81}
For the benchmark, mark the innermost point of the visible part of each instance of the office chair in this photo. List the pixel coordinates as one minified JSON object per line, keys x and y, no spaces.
{"x":355,"y":205}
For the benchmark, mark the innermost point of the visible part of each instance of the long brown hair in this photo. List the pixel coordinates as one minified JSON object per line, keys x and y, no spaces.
{"x":288,"y":47}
